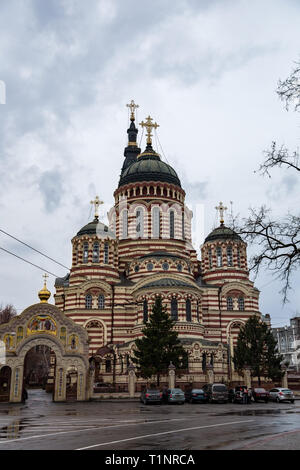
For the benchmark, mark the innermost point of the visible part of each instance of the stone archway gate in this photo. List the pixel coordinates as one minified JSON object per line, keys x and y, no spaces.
{"x":44,"y":324}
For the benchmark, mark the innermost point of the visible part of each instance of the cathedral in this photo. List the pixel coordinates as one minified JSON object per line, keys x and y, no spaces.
{"x":146,"y":251}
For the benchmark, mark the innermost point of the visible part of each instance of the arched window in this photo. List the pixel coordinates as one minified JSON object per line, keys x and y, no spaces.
{"x":229,"y":303}
{"x":76,"y":250}
{"x":198,"y":312}
{"x":155,"y":222}
{"x":88,"y":301}
{"x":85,"y":252}
{"x":101,"y":301}
{"x":241,"y":303}
{"x":183,"y":231}
{"x":20,"y":334}
{"x":172,"y":224}
{"x":229,"y":256}
{"x":145,"y":311}
{"x":204,"y":362}
{"x":211,"y":359}
{"x":219,"y":257}
{"x":188,"y":310}
{"x":96,"y":252}
{"x":210,"y":260}
{"x":125,"y":224}
{"x":238,"y":258}
{"x":106,"y":253}
{"x":174,"y":309}
{"x":108,"y":365}
{"x":139,"y":222}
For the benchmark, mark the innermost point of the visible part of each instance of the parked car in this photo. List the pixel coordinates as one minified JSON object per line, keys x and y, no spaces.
{"x":196,"y":395}
{"x":281,"y":394}
{"x":216,"y":392}
{"x":174,"y":395}
{"x":150,"y":395}
{"x":260,"y":394}
{"x":102,"y":387}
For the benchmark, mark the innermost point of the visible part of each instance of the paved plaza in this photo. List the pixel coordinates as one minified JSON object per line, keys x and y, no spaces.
{"x":130,"y":425}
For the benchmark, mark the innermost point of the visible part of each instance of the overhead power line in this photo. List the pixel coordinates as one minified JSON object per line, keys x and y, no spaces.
{"x":34,"y":249}
{"x":29,"y":262}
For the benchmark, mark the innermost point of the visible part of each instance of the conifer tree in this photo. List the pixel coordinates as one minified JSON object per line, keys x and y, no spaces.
{"x":159,"y":346}
{"x":257,"y":348}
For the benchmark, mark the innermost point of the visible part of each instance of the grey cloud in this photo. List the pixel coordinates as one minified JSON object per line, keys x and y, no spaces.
{"x":285,"y":187}
{"x":196,"y":191}
{"x":51,"y":187}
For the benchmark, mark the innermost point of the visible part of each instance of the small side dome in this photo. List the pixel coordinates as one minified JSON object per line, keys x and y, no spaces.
{"x":44,"y":294}
{"x":96,"y":228}
{"x":222,"y":233}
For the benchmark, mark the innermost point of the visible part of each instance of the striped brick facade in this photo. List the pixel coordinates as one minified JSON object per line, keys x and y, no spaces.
{"x":117,"y":272}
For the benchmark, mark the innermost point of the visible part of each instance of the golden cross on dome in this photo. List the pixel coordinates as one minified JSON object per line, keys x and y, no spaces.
{"x":132,"y":107}
{"x":97,"y":203}
{"x":221,"y":209}
{"x":149,"y":126}
{"x":45,"y":276}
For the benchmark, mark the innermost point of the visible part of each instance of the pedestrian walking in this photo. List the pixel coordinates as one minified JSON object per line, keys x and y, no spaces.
{"x":245,"y":396}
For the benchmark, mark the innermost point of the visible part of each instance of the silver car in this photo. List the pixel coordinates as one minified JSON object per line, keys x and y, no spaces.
{"x":281,"y":394}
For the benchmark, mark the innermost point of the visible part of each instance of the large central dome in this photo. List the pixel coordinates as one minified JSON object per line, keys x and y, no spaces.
{"x":149,"y":167}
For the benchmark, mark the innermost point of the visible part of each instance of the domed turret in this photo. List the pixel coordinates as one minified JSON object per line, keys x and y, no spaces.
{"x":44,"y":294}
{"x":149,"y":167}
{"x":96,"y":228}
{"x":223,"y":253}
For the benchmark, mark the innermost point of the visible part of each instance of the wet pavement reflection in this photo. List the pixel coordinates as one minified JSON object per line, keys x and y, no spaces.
{"x":40,"y":423}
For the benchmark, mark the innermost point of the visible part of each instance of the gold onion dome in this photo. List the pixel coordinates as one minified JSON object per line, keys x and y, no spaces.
{"x":44,"y":294}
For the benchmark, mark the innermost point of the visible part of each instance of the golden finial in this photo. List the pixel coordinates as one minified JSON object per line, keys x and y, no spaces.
{"x":149,"y":126}
{"x":97,"y":203}
{"x":44,"y":294}
{"x":221,"y":209}
{"x":132,"y":107}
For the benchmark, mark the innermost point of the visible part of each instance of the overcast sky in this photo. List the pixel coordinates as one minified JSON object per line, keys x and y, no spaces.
{"x":205,"y":70}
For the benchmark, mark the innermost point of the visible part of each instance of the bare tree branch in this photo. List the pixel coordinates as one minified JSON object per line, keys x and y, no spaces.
{"x":279,"y":158}
{"x":7,"y":313}
{"x":278,"y":243}
{"x":289,"y":89}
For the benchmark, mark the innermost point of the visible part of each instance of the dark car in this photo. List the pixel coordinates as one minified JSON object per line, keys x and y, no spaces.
{"x":150,"y":395}
{"x":216,"y":392}
{"x":260,"y":394}
{"x":196,"y":395}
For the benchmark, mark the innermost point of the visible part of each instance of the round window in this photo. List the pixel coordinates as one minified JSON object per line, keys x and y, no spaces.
{"x":150,"y":266}
{"x":179,"y":267}
{"x":165,"y":266}
{"x":137,"y":268}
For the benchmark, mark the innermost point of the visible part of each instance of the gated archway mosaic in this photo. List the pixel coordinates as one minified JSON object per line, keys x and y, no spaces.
{"x":44,"y":324}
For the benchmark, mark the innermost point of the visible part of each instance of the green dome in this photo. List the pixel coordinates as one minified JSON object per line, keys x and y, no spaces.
{"x":149,"y":167}
{"x":98,"y":228}
{"x":222,"y":233}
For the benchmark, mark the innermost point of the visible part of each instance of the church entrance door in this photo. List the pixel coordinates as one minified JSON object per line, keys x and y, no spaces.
{"x":5,"y":383}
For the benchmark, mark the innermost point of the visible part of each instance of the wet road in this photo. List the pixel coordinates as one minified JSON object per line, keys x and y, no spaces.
{"x":42,"y":424}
